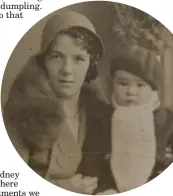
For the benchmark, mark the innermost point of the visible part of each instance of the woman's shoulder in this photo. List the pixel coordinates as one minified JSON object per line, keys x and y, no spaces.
{"x":31,"y":107}
{"x":95,"y":106}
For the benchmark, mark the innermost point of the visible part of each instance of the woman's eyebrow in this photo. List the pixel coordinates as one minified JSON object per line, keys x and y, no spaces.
{"x":121,"y":78}
{"x":140,"y":80}
{"x":79,"y":55}
{"x":56,"y":51}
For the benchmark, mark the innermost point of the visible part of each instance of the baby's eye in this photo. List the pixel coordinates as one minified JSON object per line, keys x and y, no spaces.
{"x":140,"y":84}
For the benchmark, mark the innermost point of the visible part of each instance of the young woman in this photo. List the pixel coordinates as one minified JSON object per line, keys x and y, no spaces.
{"x":53,"y":120}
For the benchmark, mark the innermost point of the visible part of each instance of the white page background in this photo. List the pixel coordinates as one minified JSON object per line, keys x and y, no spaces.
{"x":10,"y":33}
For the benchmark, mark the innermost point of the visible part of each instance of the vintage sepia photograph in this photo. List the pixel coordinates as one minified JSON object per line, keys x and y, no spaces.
{"x":87,"y":98}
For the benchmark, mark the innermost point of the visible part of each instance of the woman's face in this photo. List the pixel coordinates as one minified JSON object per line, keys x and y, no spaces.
{"x":66,"y":63}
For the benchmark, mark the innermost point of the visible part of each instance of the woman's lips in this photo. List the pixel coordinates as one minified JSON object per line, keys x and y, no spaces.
{"x":66,"y":81}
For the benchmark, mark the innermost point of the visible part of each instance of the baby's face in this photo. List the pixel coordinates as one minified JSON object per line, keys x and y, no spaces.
{"x":129,"y":89}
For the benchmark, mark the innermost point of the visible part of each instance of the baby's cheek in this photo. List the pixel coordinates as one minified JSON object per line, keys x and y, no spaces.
{"x":143,"y":99}
{"x":119,"y":96}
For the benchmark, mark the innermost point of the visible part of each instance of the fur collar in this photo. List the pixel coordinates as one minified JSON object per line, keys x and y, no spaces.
{"x":33,"y":110}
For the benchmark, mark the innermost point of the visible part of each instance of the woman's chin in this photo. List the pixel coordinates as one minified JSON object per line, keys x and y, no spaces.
{"x":65,"y":93}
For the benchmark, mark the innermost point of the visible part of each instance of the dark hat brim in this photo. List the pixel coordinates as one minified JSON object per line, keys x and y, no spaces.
{"x":98,"y":46}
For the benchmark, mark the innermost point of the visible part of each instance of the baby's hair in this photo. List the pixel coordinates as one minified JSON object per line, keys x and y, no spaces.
{"x":139,"y":61}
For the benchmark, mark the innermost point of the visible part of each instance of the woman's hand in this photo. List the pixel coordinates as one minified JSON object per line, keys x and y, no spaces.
{"x":108,"y":192}
{"x":90,"y":184}
{"x":85,"y":185}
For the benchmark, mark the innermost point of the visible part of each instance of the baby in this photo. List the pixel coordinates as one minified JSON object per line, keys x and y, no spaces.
{"x":135,"y":85}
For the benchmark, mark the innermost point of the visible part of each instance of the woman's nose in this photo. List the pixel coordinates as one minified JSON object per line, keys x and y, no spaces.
{"x":67,"y":67}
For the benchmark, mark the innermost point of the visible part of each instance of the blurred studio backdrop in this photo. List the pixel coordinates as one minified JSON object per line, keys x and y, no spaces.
{"x":116,"y":24}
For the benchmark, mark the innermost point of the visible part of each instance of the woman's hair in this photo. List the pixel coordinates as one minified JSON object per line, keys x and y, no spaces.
{"x":86,"y":42}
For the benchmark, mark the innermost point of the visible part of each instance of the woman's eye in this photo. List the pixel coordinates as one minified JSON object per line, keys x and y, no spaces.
{"x":123,"y":83}
{"x":140,"y":84}
{"x":56,"y":56}
{"x":79,"y":59}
